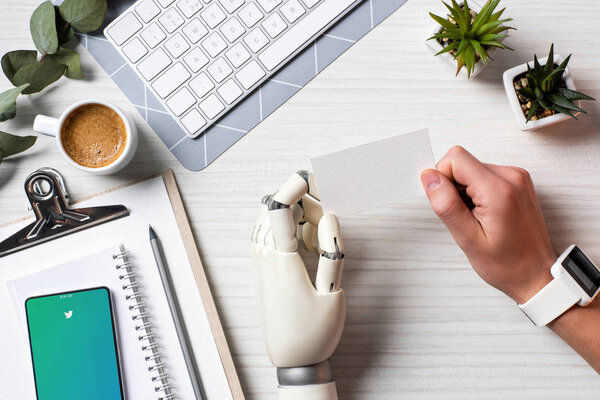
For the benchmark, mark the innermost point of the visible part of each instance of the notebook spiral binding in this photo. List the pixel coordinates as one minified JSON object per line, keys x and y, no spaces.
{"x":156,"y":367}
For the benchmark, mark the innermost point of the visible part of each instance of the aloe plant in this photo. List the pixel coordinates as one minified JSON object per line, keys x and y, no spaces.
{"x":468,"y":37}
{"x":545,"y":88}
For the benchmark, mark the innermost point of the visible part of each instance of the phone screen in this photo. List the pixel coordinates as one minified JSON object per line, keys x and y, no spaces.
{"x":73,"y":346}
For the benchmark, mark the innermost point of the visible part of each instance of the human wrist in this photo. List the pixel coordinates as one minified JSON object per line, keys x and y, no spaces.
{"x":524,"y":291}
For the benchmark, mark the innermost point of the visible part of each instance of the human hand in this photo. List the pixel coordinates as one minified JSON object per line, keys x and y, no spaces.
{"x":504,"y":236}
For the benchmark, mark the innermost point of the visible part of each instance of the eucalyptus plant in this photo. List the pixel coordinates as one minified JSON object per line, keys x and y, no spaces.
{"x":30,"y":71}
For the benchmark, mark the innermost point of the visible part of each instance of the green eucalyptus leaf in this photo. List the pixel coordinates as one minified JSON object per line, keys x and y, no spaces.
{"x":85,"y":16}
{"x":12,"y":144}
{"x":39,"y":75}
{"x":8,"y":102}
{"x":68,"y":58}
{"x":43,"y":28}
{"x":64,"y":30}
{"x":15,"y":60}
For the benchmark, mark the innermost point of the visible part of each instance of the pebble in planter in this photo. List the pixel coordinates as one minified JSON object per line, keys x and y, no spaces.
{"x":543,"y":95}
{"x":468,"y":37}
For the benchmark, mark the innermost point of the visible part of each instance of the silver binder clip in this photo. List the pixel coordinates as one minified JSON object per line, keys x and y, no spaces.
{"x":48,"y":196}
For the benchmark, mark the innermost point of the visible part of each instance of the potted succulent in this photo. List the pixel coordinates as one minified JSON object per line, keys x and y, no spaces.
{"x":469,"y":36}
{"x":543,"y":95}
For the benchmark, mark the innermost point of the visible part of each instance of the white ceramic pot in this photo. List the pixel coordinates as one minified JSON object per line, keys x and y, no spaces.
{"x":508,"y":78}
{"x":435,"y":46}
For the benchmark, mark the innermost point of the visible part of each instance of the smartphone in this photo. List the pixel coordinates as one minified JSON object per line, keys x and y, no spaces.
{"x":73,"y":346}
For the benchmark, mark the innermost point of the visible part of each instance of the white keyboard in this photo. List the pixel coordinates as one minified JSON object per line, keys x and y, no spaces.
{"x":201,"y":57}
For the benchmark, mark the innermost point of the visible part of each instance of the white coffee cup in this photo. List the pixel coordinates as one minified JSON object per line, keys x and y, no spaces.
{"x":53,"y":127}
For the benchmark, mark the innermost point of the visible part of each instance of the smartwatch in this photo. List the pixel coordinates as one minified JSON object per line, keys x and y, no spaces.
{"x":576,"y":281}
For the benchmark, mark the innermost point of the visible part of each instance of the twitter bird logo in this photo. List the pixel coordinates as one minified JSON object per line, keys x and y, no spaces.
{"x":68,"y":314}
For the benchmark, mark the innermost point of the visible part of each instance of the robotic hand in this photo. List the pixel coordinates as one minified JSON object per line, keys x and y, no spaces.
{"x":302,"y":324}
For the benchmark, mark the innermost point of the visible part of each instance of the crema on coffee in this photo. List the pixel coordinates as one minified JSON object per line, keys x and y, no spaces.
{"x":94,"y":135}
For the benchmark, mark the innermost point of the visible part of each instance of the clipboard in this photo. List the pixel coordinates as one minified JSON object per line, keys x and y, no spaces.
{"x":197,"y":268}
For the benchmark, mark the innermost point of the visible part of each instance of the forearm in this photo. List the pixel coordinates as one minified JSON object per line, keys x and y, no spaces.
{"x":579,"y":327}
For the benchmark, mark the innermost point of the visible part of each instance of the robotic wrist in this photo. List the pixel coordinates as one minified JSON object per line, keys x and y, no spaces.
{"x":316,"y":374}
{"x":314,"y":382}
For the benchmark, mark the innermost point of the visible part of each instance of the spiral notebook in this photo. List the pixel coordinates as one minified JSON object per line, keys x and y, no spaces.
{"x":95,"y":257}
{"x":140,"y":357}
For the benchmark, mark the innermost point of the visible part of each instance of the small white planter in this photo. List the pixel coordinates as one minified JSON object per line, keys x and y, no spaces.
{"x":511,"y":93}
{"x":436,"y":46}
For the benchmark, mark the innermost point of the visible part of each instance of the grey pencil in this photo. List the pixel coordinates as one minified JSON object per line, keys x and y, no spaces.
{"x":176,"y":314}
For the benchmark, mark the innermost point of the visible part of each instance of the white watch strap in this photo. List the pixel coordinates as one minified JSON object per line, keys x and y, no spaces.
{"x":553,"y":300}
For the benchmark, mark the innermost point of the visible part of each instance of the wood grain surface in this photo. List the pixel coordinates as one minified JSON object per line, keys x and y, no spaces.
{"x":421,"y":324}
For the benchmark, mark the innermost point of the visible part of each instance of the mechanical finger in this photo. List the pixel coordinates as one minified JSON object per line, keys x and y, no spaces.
{"x":285,"y":213}
{"x":331,"y":262}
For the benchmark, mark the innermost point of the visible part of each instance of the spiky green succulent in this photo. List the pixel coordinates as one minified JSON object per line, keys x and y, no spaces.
{"x":470,"y":38}
{"x":545,"y":88}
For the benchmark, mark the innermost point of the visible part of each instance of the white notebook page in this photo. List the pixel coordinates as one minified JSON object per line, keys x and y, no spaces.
{"x":148,"y":203}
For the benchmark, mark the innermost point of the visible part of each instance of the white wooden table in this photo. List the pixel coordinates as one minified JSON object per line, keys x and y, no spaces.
{"x":421,"y":324}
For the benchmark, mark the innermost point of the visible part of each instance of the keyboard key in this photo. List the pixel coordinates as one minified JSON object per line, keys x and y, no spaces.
{"x":193,"y":121}
{"x":195,"y":59}
{"x":201,"y":85}
{"x":214,"y":44}
{"x":212,"y":106}
{"x":213,"y":15}
{"x":238,"y":55}
{"x":274,"y":25}
{"x":232,"y":29}
{"x":147,"y":10}
{"x":231,"y":5}
{"x":165,"y":3}
{"x":310,"y":3}
{"x":304,"y":31}
{"x":256,"y":40}
{"x":124,"y":28}
{"x":195,"y":30}
{"x":269,"y":5}
{"x":250,"y":74}
{"x":174,"y":77}
{"x":189,"y":7}
{"x":250,"y":15}
{"x":219,"y":70}
{"x":181,"y":101}
{"x":153,"y":35}
{"x":154,"y":64}
{"x":177,"y":45}
{"x":230,"y":91}
{"x":171,"y":20}
{"x":292,"y":10}
{"x":135,"y":50}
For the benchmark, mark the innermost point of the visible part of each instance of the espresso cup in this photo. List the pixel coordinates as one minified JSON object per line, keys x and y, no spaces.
{"x":55,"y":127}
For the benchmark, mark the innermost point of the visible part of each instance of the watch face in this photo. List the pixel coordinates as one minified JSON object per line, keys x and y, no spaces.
{"x":583,"y":271}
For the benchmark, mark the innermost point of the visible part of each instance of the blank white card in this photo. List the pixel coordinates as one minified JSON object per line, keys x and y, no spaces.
{"x":374,"y":174}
